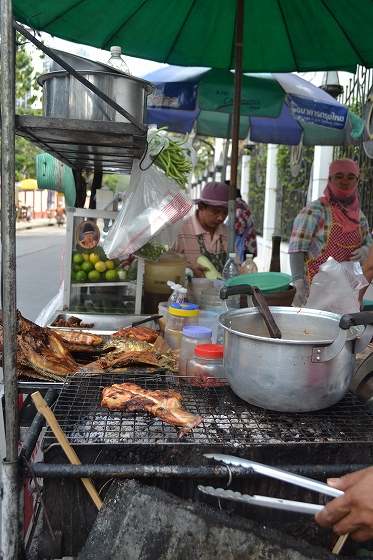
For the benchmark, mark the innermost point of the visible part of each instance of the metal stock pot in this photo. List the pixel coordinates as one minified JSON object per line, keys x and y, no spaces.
{"x":309,"y":368}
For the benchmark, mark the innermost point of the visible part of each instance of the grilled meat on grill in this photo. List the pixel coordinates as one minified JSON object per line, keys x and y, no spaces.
{"x":41,"y":349}
{"x":72,"y":322}
{"x":80,"y":341}
{"x":165,"y":405}
{"x":127,"y":345}
{"x":143,"y":334}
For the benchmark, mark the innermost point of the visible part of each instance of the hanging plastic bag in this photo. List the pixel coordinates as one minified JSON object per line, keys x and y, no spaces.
{"x":154,"y":202}
{"x":336,"y":287}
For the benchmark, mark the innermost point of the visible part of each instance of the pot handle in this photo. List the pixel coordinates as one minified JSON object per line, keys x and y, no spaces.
{"x":327,"y":353}
{"x":354,"y":319}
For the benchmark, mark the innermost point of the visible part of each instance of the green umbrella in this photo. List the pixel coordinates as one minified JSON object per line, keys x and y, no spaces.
{"x":247,"y":35}
{"x":279,"y":35}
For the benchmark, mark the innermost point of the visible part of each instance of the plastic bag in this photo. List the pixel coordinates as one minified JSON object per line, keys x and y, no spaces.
{"x":154,"y":202}
{"x":336,"y":287}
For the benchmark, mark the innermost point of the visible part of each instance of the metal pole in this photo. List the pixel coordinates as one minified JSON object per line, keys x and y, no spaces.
{"x":10,"y":517}
{"x":235,"y":125}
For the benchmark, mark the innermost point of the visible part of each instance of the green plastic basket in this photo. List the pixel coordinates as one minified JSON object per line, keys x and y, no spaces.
{"x":267,"y":282}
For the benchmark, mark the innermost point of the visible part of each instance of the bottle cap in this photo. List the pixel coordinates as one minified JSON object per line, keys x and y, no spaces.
{"x":249,"y":256}
{"x":233,"y":255}
{"x":116,"y":50}
{"x":183,"y":309}
{"x":197,"y":332}
{"x":209,"y":350}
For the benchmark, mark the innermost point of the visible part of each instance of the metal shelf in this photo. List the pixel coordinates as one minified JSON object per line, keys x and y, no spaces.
{"x":107,"y":147}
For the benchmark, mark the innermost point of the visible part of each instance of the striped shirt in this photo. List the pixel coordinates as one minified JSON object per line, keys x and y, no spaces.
{"x":311,"y":229}
{"x":187,"y":242}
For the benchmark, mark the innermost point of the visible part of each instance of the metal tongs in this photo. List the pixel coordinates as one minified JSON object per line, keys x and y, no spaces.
{"x":266,"y":501}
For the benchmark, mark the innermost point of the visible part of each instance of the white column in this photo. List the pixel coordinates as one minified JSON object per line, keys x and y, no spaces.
{"x":270,"y":209}
{"x":323,"y":157}
{"x":245,"y":176}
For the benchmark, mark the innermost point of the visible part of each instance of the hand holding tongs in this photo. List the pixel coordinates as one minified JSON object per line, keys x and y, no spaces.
{"x":266,"y":501}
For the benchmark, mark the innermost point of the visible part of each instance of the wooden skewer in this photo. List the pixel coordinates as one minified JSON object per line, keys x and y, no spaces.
{"x":44,"y":409}
{"x":340,"y":542}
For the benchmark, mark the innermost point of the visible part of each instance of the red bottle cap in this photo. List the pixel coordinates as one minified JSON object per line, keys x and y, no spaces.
{"x":209,"y":350}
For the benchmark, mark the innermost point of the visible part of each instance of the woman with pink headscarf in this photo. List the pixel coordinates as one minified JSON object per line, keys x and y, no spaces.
{"x":332,"y":226}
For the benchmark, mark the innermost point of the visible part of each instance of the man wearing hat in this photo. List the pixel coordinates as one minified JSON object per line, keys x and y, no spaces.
{"x":204,"y":232}
{"x":332,"y":226}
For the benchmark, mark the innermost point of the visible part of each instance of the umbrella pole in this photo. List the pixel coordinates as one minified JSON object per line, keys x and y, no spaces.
{"x":235,"y":126}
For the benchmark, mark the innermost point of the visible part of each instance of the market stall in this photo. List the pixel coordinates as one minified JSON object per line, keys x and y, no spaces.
{"x":310,"y":444}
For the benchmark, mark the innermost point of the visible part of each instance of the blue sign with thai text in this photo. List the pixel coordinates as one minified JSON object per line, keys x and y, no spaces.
{"x":318,"y":113}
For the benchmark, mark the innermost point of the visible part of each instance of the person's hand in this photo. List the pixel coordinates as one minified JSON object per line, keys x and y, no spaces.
{"x":300,"y":299}
{"x":360,"y":254}
{"x":198,"y":270}
{"x":353,"y":512}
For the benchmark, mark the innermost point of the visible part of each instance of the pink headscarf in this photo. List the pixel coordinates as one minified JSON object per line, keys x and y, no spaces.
{"x":345,"y":203}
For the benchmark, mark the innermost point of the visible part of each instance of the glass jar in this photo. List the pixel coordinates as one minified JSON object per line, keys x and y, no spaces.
{"x":206,"y":366}
{"x":192,"y":337}
{"x":180,"y":315}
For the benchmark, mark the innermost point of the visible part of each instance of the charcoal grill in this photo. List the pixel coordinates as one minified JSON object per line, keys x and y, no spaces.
{"x":319,"y":444}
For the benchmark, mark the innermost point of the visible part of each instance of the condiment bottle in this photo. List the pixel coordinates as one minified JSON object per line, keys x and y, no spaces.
{"x":179,"y":293}
{"x":248,"y":266}
{"x":180,"y":315}
{"x":231,"y":267}
{"x":192,"y":337}
{"x":275,"y":265}
{"x":206,"y":366}
{"x":116,"y":60}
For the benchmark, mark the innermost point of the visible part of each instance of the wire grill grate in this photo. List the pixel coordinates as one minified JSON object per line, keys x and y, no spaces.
{"x":227,"y":418}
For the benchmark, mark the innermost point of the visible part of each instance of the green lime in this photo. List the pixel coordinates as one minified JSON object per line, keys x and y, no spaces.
{"x":94,"y":276}
{"x":73,"y":275}
{"x":81,"y":276}
{"x":78,"y":258}
{"x":116,"y":262}
{"x":87,"y":266}
{"x":76,"y":267}
{"x":111,"y":275}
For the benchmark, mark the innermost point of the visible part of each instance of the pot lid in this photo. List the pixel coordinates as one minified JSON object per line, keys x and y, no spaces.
{"x":266,"y":281}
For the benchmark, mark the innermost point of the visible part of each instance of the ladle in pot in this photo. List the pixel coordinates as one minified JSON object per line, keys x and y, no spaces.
{"x":258,"y":300}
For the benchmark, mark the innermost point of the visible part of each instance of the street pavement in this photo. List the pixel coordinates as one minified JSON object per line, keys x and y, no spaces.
{"x":36,"y":222}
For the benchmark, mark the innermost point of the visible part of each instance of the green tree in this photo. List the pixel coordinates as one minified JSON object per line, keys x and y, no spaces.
{"x":25,"y":151}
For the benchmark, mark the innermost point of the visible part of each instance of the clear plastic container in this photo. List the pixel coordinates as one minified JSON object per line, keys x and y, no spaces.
{"x":231,"y":267}
{"x":116,"y":60}
{"x":248,"y":266}
{"x":206,"y":366}
{"x":180,"y":315}
{"x":192,"y":337}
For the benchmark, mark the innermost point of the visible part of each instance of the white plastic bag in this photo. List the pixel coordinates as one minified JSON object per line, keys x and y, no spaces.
{"x":154,"y":202}
{"x":336,"y":287}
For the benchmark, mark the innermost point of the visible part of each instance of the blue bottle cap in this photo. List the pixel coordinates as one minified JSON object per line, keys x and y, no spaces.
{"x":197,"y":332}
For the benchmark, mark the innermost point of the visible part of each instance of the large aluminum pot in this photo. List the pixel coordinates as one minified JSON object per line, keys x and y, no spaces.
{"x":66,"y":97}
{"x":309,"y":368}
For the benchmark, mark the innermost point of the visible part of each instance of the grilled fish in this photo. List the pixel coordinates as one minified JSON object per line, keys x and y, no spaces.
{"x":80,"y":341}
{"x":165,"y":405}
{"x":143,"y":334}
{"x":127,"y":345}
{"x":51,"y":359}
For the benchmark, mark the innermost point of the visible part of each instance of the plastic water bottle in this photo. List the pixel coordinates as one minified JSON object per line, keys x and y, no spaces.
{"x":116,"y":60}
{"x":248,"y":266}
{"x":231,"y":267}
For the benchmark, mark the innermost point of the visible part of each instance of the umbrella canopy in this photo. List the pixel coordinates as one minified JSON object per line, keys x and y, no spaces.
{"x":276,"y":108}
{"x":28,"y":184}
{"x":278,"y":36}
